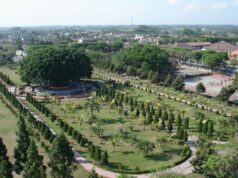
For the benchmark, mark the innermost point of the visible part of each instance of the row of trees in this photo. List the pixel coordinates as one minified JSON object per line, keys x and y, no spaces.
{"x":6,"y":79}
{"x":158,"y":119}
{"x":147,"y":61}
{"x":76,"y":135}
{"x":26,"y":155}
{"x":5,"y":164}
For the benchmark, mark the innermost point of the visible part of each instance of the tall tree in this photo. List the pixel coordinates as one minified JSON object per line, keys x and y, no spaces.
{"x":23,"y":142}
{"x":61,"y":158}
{"x":3,"y":154}
{"x":200,"y":87}
{"x":178,"y":83}
{"x":55,"y":65}
{"x":92,"y":104}
{"x":170,"y":125}
{"x":5,"y":172}
{"x":34,"y":167}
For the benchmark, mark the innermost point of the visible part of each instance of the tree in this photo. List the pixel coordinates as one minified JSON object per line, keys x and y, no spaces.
{"x":113,"y":142}
{"x":145,"y":58}
{"x":61,"y":158}
{"x":92,"y":151}
{"x":3,"y":154}
{"x":34,"y":167}
{"x":5,"y":172}
{"x":170,"y":125}
{"x":178,"y":83}
{"x":162,"y":141}
{"x":186,"y":123}
{"x":210,"y":129}
{"x":92,"y":104}
{"x":145,"y":147}
{"x":104,"y":160}
{"x":165,"y":115}
{"x":168,"y":81}
{"x":179,"y":121}
{"x":211,"y":59}
{"x":185,"y":136}
{"x":98,"y":155}
{"x":235,"y":81}
{"x":185,"y":150}
{"x":23,"y":142}
{"x":144,"y":121}
{"x":54,"y":65}
{"x":200,"y":87}
{"x":93,"y":174}
{"x":200,"y":125}
{"x":225,"y":93}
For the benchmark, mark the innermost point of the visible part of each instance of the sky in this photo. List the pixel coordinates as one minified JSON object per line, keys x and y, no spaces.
{"x":117,"y":12}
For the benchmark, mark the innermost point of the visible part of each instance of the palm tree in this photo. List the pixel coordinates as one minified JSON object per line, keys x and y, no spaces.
{"x":72,"y":108}
{"x":111,"y":105}
{"x":98,"y":130}
{"x":57,"y":102}
{"x":143,"y":120}
{"x":92,"y":104}
{"x":183,"y":112}
{"x":52,"y":102}
{"x":113,"y":142}
{"x":80,"y":119}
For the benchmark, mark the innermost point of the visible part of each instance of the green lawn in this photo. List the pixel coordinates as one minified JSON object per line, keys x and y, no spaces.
{"x":125,"y":155}
{"x":8,"y":127}
{"x":13,"y":74}
{"x":192,"y":96}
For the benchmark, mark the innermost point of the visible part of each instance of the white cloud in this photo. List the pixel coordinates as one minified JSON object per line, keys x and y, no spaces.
{"x":172,"y":2}
{"x":219,"y":6}
{"x":189,"y":7}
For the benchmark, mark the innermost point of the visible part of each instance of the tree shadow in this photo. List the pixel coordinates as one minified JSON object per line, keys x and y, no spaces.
{"x":127,"y":152}
{"x":107,"y":121}
{"x":159,"y":157}
{"x":118,"y":166}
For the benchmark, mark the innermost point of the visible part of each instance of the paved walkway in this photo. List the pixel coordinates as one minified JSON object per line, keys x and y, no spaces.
{"x":184,"y":168}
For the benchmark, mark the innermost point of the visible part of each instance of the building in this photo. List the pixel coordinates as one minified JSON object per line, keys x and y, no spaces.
{"x":222,"y":46}
{"x":87,"y":40}
{"x":233,"y":54}
{"x":234,"y":98}
{"x":199,"y":45}
{"x":193,"y":45}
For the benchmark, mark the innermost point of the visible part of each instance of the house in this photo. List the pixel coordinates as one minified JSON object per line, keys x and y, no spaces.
{"x":222,"y":46}
{"x":87,"y":40}
{"x":193,"y":45}
{"x":234,"y":98}
{"x":233,"y":54}
{"x":199,"y":45}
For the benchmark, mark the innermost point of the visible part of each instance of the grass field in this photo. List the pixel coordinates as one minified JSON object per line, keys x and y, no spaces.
{"x":13,"y":73}
{"x":124,"y":155}
{"x":8,"y":128}
{"x":190,"y":96}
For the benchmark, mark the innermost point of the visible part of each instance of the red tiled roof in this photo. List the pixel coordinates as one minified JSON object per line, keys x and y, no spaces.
{"x":195,"y":44}
{"x":222,"y":46}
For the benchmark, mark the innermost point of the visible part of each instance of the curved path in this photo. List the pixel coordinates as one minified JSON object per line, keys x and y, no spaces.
{"x":184,"y":168}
